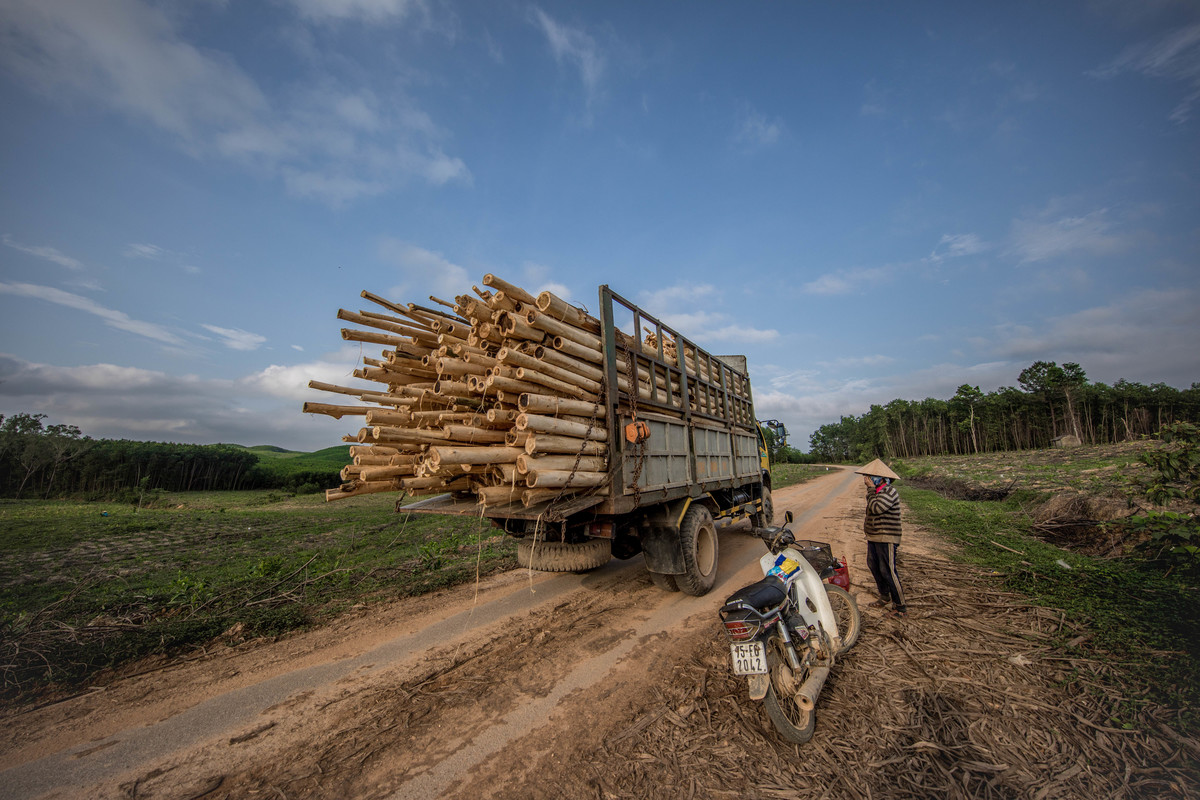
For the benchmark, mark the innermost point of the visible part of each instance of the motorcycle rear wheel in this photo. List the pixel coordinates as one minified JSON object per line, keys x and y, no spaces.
{"x":849,"y":620}
{"x":793,"y":724}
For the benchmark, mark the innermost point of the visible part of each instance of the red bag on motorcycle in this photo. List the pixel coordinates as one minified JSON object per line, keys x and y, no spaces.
{"x":840,"y":576}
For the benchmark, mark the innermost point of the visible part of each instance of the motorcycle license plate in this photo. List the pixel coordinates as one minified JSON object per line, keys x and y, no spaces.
{"x":749,"y":658}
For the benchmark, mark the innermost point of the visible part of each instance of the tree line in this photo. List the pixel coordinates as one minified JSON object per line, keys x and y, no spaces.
{"x":40,"y":461}
{"x":1052,"y":402}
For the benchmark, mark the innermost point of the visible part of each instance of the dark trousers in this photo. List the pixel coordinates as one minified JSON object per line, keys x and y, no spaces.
{"x":881,"y":560}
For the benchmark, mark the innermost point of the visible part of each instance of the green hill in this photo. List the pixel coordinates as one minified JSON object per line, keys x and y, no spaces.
{"x":289,"y":462}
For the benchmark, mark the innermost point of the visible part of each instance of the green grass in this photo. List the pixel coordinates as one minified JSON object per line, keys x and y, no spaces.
{"x":286,"y":463}
{"x":789,"y":474}
{"x":1148,"y":622}
{"x":87,"y":586}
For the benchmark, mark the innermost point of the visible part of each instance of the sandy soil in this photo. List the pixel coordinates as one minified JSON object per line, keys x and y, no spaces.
{"x":531,"y":685}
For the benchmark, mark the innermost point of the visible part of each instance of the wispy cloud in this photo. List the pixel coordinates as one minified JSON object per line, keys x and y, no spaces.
{"x":1174,"y":56}
{"x":116,"y":319}
{"x":576,"y":48}
{"x":753,"y":130}
{"x":48,"y":253}
{"x":236,"y":338}
{"x":150,"y":251}
{"x":1045,"y":238}
{"x":361,"y":10}
{"x":325,"y":140}
{"x":659,"y":300}
{"x":874,"y":101}
{"x":423,"y":271}
{"x":705,"y":322}
{"x":957,"y":245}
{"x":711,"y":327}
{"x":845,"y":281}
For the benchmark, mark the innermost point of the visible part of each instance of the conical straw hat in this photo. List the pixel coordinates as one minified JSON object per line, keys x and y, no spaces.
{"x":878,"y":469}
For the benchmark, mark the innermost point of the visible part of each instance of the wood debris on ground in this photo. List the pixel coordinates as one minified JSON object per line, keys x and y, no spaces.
{"x":970,"y":697}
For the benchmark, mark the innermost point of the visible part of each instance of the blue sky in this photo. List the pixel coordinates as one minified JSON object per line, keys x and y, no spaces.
{"x":870,"y":200}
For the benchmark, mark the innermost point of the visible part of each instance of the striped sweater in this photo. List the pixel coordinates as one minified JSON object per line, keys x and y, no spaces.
{"x":882,"y":523}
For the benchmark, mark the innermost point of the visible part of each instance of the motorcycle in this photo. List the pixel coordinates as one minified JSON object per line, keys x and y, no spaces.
{"x":787,"y":630}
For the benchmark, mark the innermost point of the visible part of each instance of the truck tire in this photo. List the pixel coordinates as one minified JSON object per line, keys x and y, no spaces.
{"x":563,"y":556}
{"x":663,"y":581}
{"x":698,"y":537}
{"x":767,"y":515}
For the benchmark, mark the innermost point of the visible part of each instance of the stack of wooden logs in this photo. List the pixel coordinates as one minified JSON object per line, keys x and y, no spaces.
{"x":499,"y":393}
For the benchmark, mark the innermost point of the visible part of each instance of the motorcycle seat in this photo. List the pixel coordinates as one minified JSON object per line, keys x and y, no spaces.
{"x":767,"y":593}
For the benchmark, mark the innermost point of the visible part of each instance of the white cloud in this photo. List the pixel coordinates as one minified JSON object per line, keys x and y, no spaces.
{"x":1042,"y":239}
{"x":753,"y":130}
{"x":150,"y":251}
{"x":1146,"y":335}
{"x":714,"y":326}
{"x":291,"y":382}
{"x":424,"y":271}
{"x":575,"y":47}
{"x":854,"y":362}
{"x":364,"y":10}
{"x":657,"y":301}
{"x":128,"y":54}
{"x":325,"y":141}
{"x":1174,"y":56}
{"x":236,"y":338}
{"x":48,"y":253}
{"x":116,"y":319}
{"x":335,"y":189}
{"x":845,"y":281}
{"x":111,"y":401}
{"x":957,"y":246}
{"x":873,"y":104}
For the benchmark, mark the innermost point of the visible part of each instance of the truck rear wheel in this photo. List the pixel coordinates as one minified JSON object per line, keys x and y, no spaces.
{"x":764,"y":518}
{"x":563,"y":556}
{"x":698,"y":536}
{"x":663,"y":581}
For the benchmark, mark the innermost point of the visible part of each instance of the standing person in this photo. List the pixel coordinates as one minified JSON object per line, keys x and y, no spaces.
{"x":882,"y":528}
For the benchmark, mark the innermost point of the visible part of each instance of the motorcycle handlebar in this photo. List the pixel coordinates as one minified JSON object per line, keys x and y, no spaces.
{"x":775,"y":538}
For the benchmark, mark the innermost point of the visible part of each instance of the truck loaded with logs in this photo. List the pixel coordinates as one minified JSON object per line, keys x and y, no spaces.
{"x":587,"y":437}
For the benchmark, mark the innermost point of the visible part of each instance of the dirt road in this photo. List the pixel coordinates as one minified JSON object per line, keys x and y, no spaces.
{"x":595,"y":685}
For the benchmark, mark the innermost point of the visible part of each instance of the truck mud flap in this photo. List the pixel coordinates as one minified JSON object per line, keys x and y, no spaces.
{"x":660,"y":539}
{"x":663,"y":551}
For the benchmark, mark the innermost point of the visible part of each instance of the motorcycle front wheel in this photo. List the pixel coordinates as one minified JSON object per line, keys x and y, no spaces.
{"x":793,"y":724}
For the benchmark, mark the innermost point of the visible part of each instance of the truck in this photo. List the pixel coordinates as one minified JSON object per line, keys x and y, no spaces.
{"x":683,"y":455}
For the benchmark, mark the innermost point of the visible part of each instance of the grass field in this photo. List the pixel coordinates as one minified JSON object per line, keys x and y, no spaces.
{"x":789,"y":474}
{"x":1141,"y":615}
{"x":85,"y":586}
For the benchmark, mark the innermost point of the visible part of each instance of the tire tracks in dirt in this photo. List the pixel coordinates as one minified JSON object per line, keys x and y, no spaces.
{"x":477,"y":681}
